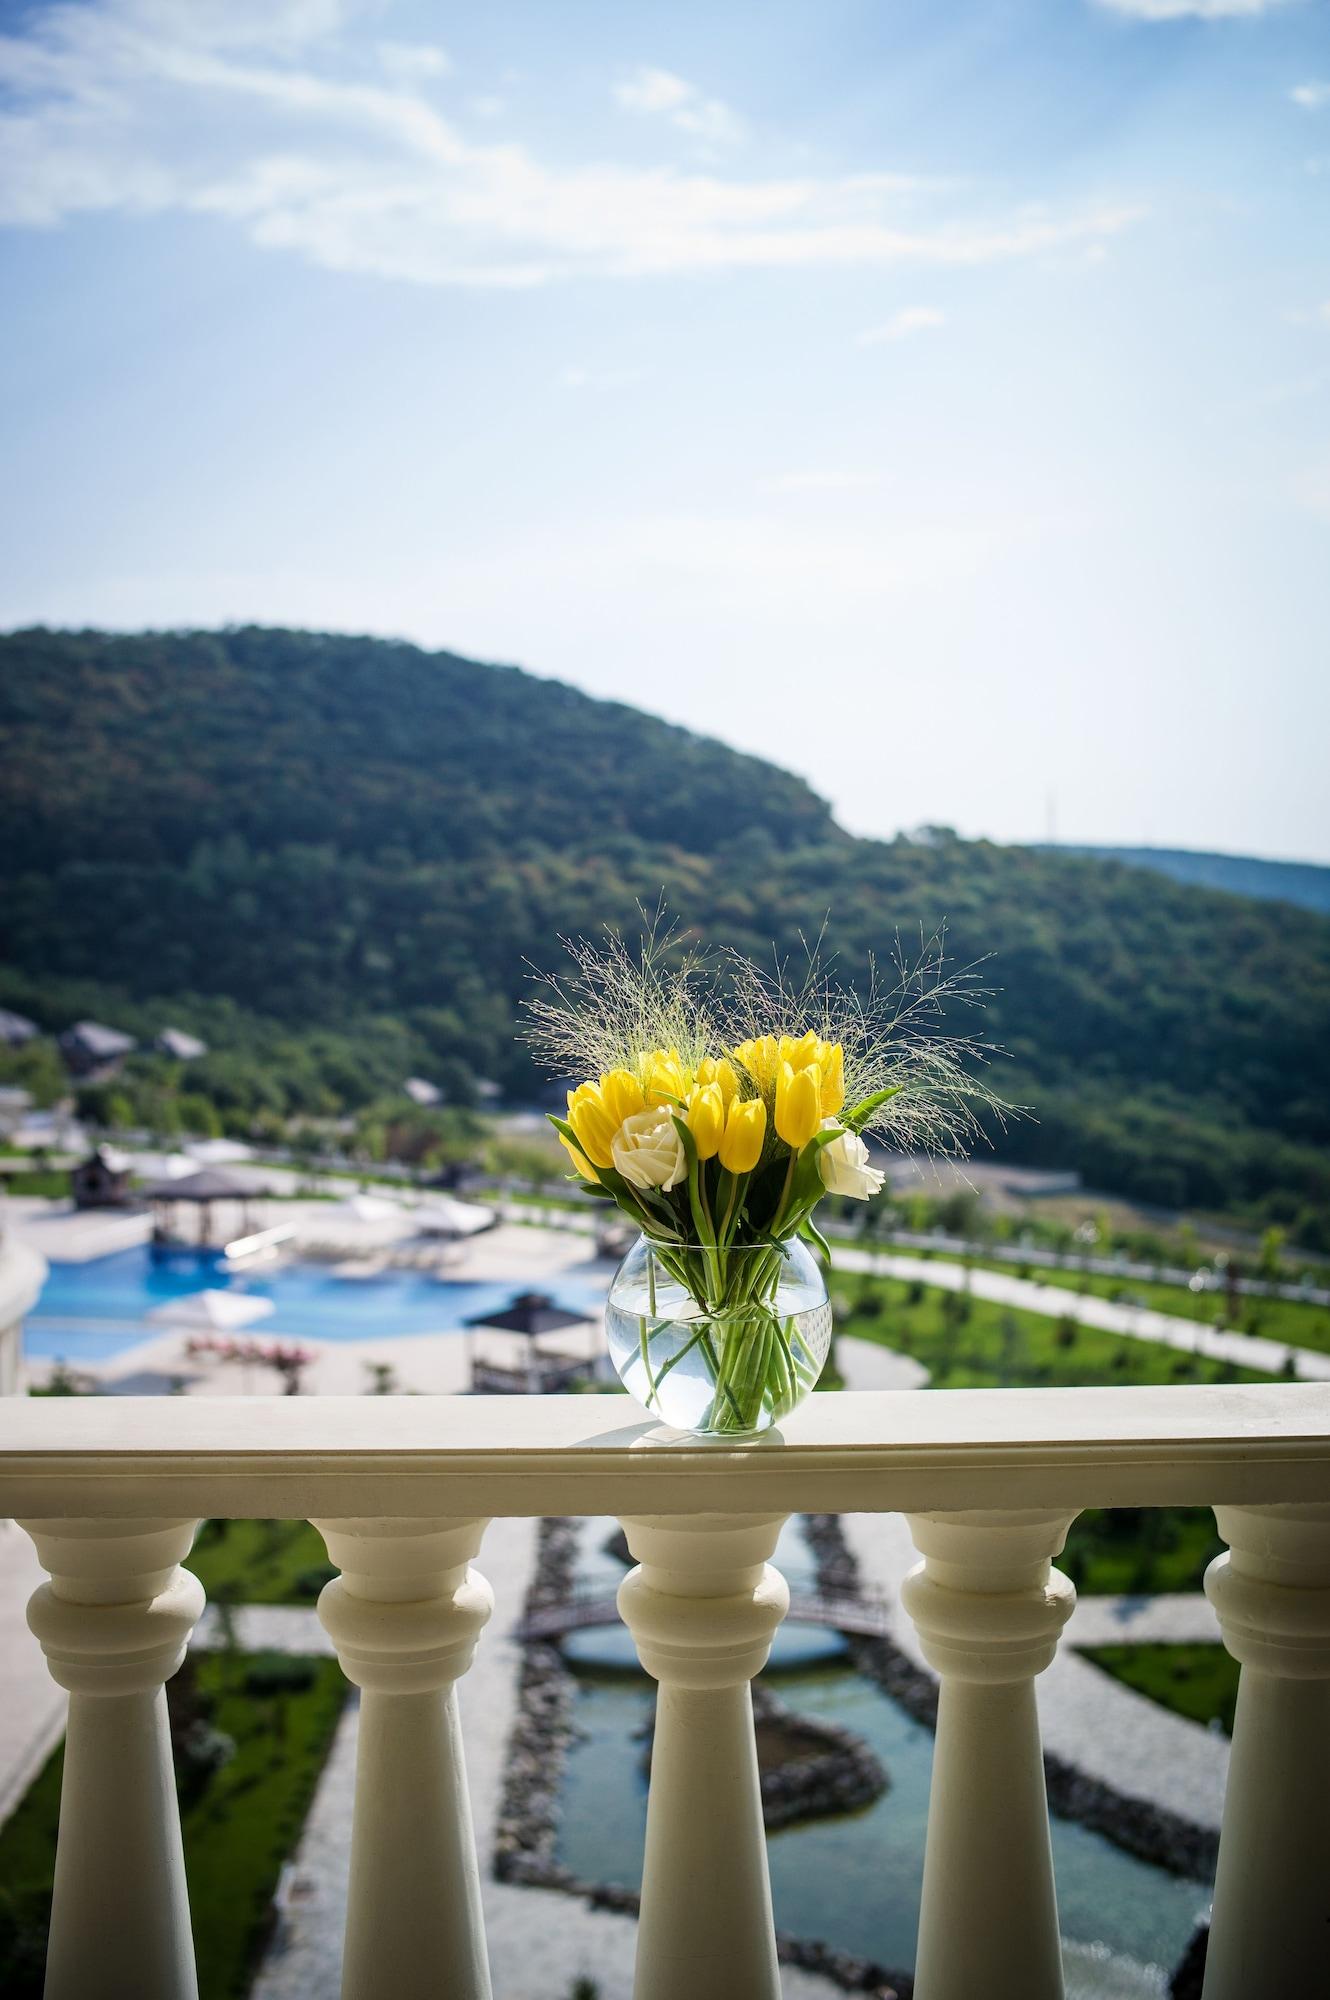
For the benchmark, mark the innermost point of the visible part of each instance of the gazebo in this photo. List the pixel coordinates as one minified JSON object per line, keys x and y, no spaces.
{"x":536,"y":1371}
{"x":198,"y":1190}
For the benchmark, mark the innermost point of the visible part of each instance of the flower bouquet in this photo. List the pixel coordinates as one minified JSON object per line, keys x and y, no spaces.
{"x":722,"y":1105}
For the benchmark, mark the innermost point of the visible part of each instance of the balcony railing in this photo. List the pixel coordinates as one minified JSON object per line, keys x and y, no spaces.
{"x":401,"y":1490}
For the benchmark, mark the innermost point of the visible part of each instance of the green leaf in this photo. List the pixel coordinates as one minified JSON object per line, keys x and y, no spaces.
{"x":810,"y":1232}
{"x":855,"y":1120}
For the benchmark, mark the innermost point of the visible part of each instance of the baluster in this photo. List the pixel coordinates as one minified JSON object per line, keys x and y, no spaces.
{"x":702,"y":1607}
{"x":1270,"y":1931}
{"x":404,"y":1616}
{"x":988,"y":1610}
{"x":114,"y":1622}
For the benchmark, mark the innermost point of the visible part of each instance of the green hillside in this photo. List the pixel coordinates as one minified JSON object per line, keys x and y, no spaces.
{"x":334,"y":856}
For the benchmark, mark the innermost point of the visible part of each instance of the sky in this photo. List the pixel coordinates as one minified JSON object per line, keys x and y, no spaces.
{"x":932,"y":397}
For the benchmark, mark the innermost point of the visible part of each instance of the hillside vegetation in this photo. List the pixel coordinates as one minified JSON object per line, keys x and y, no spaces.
{"x":334,"y":857}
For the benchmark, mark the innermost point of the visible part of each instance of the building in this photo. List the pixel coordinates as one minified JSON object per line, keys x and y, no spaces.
{"x":102,"y":1180}
{"x":181,"y":1047}
{"x":422,"y":1092}
{"x":15,"y":1029}
{"x":93,"y":1051}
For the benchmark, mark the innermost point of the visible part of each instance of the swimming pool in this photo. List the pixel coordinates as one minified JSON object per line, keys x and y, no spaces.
{"x":94,"y":1310}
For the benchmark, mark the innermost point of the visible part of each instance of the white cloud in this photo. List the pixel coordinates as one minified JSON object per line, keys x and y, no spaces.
{"x":410,"y":63}
{"x":229,"y":108}
{"x":653,"y":90}
{"x":1191,"y":10}
{"x":1313,"y":96}
{"x":910,"y":319}
{"x":660,"y":92}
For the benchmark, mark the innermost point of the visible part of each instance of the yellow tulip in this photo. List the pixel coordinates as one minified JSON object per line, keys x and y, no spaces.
{"x":745,"y":1130}
{"x":583,"y":1165}
{"x":716,"y":1070}
{"x":622,"y":1094}
{"x":592,"y":1122}
{"x":706,"y":1118}
{"x":798,"y":1104}
{"x":760,"y":1058}
{"x":833,"y":1079}
{"x":663,"y":1076}
{"x":803,"y":1051}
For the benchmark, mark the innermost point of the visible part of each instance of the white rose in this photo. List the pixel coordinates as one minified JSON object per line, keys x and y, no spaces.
{"x":843,"y":1165}
{"x":648,"y":1151}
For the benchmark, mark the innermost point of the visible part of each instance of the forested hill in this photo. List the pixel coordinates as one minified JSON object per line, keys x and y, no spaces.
{"x":136,"y":749}
{"x":365,"y":842}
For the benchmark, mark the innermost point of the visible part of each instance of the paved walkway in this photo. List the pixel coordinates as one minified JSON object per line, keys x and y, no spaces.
{"x":1189,"y":1336}
{"x":1185,"y":1619}
{"x":32,"y":1707}
{"x":540,"y":1940}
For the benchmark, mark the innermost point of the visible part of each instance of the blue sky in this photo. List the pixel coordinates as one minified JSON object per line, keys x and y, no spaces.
{"x":932,"y":397}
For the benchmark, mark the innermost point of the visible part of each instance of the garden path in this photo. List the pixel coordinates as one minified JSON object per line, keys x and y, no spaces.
{"x":1189,"y":1336}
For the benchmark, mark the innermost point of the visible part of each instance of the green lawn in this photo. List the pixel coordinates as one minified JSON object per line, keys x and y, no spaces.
{"x":1196,"y":1681}
{"x":972,"y":1343}
{"x":1290,"y":1320}
{"x":240,"y":1821}
{"x":260,"y":1562}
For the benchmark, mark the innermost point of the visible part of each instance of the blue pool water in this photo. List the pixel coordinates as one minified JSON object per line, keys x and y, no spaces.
{"x":88,"y":1312}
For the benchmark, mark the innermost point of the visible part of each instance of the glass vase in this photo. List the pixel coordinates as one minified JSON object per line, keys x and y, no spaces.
{"x":723,"y":1343}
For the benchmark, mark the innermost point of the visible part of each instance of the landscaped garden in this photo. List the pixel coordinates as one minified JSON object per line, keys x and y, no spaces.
{"x":1196,"y":1681}
{"x":1296,"y":1322}
{"x":249,"y":1734}
{"x":260,"y":1562}
{"x":966,"y":1342}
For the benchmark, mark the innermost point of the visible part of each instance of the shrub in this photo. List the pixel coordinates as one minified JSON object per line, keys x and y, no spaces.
{"x":278,"y":1673}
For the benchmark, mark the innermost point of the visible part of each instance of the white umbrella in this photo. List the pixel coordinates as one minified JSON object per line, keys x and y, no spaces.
{"x":363,"y":1208}
{"x":446,"y":1217}
{"x":212,"y":1312}
{"x":219,"y":1152}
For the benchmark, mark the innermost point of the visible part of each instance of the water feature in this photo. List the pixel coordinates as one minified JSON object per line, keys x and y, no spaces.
{"x":853,"y":1881}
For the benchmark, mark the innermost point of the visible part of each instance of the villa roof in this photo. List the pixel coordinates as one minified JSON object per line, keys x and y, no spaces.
{"x":15,"y":1028}
{"x":185,"y":1048}
{"x":532,"y":1313}
{"x":208,"y":1184}
{"x":99,"y":1040}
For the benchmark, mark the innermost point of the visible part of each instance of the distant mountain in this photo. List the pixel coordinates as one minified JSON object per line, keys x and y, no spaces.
{"x":334,"y":858}
{"x":1306,"y":884}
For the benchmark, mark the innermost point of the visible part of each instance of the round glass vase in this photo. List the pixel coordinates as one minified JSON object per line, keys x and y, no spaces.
{"x":720,"y":1343}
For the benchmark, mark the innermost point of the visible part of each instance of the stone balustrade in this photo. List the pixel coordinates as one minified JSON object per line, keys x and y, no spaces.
{"x":402,"y":1489}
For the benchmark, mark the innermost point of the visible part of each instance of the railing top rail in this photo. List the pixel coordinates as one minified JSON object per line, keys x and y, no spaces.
{"x":877,"y":1451}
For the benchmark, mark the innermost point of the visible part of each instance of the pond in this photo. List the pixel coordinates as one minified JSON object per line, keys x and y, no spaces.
{"x":855,"y":1881}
